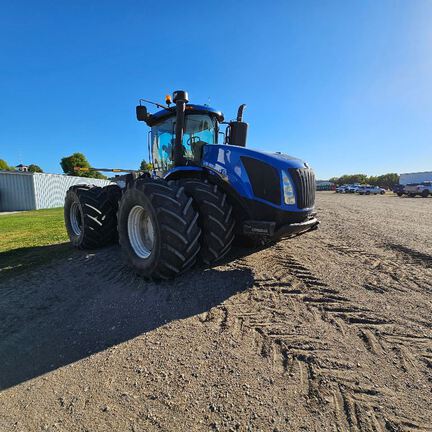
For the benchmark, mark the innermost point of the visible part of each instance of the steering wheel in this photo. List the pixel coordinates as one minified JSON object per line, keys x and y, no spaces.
{"x":193,"y":140}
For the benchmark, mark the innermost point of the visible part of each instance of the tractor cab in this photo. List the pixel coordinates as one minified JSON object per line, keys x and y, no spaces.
{"x":201,"y":127}
{"x":178,"y":134}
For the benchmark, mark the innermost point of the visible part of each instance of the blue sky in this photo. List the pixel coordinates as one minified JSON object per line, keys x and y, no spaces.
{"x":345,"y":85}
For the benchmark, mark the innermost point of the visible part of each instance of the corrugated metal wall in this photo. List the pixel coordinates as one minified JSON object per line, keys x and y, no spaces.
{"x":415,"y":177}
{"x":16,"y":191}
{"x":28,"y":191}
{"x":50,"y":189}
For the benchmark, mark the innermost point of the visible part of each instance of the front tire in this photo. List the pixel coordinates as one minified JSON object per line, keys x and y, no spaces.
{"x":425,"y":194}
{"x":216,"y":219}
{"x":158,"y":229}
{"x":90,"y":215}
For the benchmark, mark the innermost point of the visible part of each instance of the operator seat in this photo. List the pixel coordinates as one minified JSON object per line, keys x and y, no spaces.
{"x":197,"y":150}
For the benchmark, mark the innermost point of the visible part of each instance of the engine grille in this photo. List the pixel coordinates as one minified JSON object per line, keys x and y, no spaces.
{"x":264,"y":179}
{"x":304,"y":182}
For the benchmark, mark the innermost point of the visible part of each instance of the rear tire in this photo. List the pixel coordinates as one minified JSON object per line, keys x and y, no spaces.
{"x":216,"y":218}
{"x":158,"y":229}
{"x":90,"y":215}
{"x":400,"y":194}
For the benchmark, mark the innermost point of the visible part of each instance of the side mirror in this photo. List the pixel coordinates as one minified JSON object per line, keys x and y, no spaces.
{"x":141,"y":113}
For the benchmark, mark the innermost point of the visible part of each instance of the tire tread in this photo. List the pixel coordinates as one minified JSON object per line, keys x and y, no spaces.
{"x":214,"y":218}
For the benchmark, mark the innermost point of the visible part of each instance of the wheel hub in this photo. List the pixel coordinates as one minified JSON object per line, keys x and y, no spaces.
{"x":140,"y":231}
{"x":75,"y":218}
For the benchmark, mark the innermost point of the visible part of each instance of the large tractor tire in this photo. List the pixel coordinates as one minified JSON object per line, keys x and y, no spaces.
{"x":158,"y":229}
{"x":425,"y":193}
{"x":90,"y":215}
{"x":216,"y":218}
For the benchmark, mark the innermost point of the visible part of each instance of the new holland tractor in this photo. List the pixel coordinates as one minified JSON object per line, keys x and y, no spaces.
{"x":199,"y":196}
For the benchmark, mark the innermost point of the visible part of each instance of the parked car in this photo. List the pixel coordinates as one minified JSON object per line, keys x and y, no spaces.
{"x":361,"y":189}
{"x":341,"y":189}
{"x":370,"y":190}
{"x":352,"y":188}
{"x":347,"y":188}
{"x":399,"y":190}
{"x":423,"y":189}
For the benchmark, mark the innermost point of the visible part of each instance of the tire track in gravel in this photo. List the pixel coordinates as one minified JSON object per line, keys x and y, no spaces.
{"x":329,"y":300}
{"x":321,"y":374}
{"x":410,"y":348}
{"x":390,"y":266}
{"x":413,"y":256}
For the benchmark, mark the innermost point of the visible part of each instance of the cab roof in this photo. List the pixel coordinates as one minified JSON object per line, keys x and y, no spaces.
{"x":190,"y":109}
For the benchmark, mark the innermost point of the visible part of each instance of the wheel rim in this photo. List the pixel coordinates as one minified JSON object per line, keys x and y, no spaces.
{"x":75,"y":218}
{"x":140,"y":231}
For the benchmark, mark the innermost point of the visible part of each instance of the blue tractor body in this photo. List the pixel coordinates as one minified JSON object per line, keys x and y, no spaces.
{"x":273,"y":194}
{"x":254,"y":181}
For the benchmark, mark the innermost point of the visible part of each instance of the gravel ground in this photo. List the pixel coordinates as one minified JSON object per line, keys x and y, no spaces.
{"x":330,"y":331}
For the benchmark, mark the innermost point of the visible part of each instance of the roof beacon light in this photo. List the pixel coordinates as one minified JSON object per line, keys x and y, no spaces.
{"x":168,"y":100}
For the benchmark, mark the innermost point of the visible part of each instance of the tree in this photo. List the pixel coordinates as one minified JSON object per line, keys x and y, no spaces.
{"x":79,"y":160}
{"x":373,"y":180}
{"x":355,"y":178}
{"x":349,"y":179}
{"x":145,"y":166}
{"x":96,"y":175}
{"x":4,"y":165}
{"x":75,"y":160}
{"x":35,"y":168}
{"x":388,"y":180}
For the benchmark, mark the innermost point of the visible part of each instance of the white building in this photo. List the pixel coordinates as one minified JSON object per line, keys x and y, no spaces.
{"x":417,"y":177}
{"x":34,"y":191}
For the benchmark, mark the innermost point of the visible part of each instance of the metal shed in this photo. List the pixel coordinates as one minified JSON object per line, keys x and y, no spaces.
{"x":34,"y":191}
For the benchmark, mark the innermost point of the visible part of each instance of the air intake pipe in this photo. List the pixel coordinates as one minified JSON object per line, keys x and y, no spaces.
{"x":237,"y":130}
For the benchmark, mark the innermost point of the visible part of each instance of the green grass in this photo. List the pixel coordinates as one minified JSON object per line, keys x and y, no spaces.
{"x":31,"y":238}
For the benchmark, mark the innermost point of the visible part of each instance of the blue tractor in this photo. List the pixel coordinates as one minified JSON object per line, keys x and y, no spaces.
{"x":198,"y":197}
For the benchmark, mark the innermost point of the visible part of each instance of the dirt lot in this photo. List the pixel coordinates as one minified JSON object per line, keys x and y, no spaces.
{"x":329,"y":331}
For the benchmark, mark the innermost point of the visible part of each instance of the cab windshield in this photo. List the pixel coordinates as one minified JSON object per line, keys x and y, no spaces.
{"x":200,"y":129}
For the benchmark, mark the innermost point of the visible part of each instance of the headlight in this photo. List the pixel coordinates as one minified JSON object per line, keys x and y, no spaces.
{"x":288,"y":190}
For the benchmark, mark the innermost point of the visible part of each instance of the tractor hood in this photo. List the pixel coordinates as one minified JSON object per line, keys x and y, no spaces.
{"x":276,"y":159}
{"x":282,"y":157}
{"x":257,"y":175}
{"x":217,"y":155}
